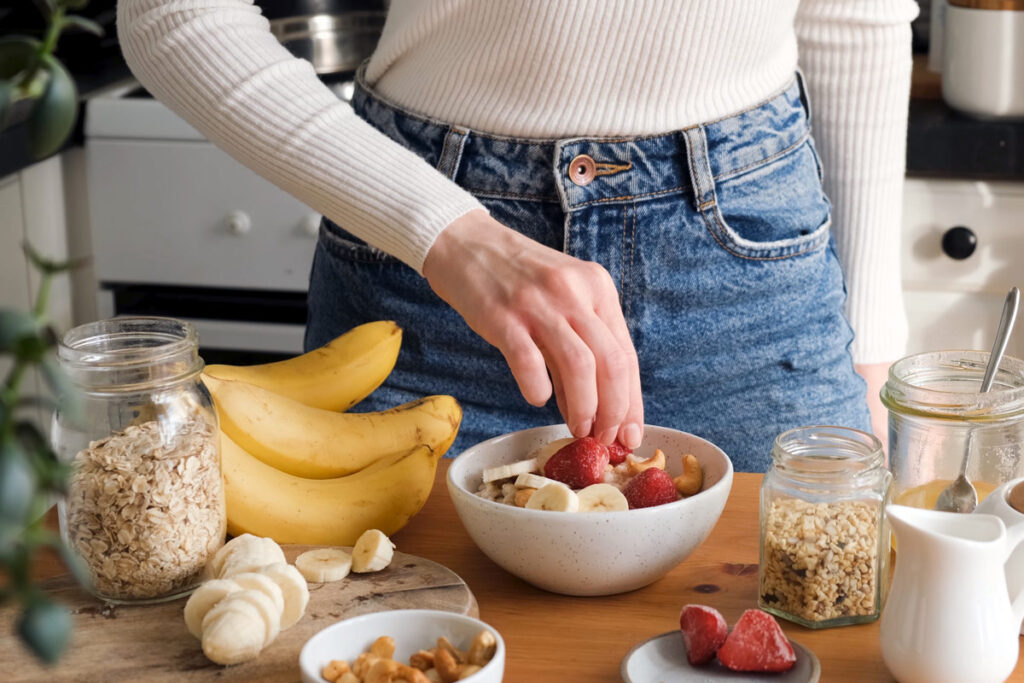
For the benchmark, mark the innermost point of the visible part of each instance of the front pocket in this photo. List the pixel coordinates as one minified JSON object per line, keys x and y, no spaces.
{"x":776,"y":210}
{"x":344,"y":245}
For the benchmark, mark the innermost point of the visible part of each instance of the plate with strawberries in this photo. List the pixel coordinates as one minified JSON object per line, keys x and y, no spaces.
{"x":705,"y":649}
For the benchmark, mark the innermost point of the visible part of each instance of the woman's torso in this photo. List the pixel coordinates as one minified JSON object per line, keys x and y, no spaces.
{"x":542,"y":69}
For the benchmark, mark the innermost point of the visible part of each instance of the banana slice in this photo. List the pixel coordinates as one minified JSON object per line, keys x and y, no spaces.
{"x":324,"y":564}
{"x":372,"y":552}
{"x":233,"y":632}
{"x":526,"y":480}
{"x":268,"y":611}
{"x":245,"y":553}
{"x":294,"y":589}
{"x":507,"y":471}
{"x":202,"y":601}
{"x":264,"y":584}
{"x":602,"y":498}
{"x":544,"y":453}
{"x":557,"y":497}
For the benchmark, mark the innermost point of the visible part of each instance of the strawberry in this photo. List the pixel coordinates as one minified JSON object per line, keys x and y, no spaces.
{"x":757,"y":643}
{"x":704,"y":630}
{"x":651,"y":487}
{"x":617,"y":453}
{"x":578,"y":464}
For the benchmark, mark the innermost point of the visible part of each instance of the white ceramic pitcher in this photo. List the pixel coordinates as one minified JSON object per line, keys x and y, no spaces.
{"x":949,"y":616}
{"x":996,"y":503}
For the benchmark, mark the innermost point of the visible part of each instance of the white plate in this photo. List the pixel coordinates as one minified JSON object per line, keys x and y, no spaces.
{"x":662,"y":659}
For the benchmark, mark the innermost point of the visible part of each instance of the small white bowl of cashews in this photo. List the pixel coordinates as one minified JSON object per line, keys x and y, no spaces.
{"x":414,"y":645}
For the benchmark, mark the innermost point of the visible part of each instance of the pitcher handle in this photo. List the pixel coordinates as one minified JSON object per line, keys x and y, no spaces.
{"x":1014,"y":538}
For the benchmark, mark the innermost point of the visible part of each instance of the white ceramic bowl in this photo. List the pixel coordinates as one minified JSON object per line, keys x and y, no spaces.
{"x":592,"y":553}
{"x":412,"y":629}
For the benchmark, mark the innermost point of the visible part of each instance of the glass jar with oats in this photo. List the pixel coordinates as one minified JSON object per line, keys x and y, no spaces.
{"x":145,"y":501}
{"x":824,"y":541}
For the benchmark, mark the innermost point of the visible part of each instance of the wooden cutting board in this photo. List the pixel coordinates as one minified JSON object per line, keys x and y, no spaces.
{"x":151,"y":643}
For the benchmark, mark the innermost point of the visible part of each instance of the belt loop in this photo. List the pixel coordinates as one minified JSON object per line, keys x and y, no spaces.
{"x":804,"y":97}
{"x":701,"y":178}
{"x":451,"y":151}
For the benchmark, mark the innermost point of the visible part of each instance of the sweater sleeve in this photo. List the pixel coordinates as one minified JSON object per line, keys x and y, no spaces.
{"x":856,"y":57}
{"x":217,"y":65}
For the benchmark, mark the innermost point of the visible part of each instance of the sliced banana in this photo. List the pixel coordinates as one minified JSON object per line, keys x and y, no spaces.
{"x":294,"y":589}
{"x":202,"y":601}
{"x":508,"y":471}
{"x":324,"y":564}
{"x":557,"y":497}
{"x":268,"y":610}
{"x":233,"y":632}
{"x":264,"y":584}
{"x":246,"y":553}
{"x":527,"y":480}
{"x":602,"y":498}
{"x":544,"y":453}
{"x":373,"y":551}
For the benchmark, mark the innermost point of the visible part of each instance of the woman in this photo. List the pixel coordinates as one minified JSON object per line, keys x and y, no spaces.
{"x":603,"y":193}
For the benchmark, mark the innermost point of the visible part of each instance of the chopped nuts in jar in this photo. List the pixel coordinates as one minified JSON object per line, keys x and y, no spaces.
{"x":819,"y":559}
{"x":145,"y":508}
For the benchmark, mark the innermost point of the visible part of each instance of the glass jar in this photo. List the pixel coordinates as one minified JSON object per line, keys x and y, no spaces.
{"x":824,"y":541}
{"x":145,"y":504}
{"x":934,"y":404}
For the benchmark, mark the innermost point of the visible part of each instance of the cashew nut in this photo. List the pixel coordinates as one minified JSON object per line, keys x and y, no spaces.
{"x":468,"y":670}
{"x":362,"y":664}
{"x":383,"y":647}
{"x":433,"y":676}
{"x":447,"y":667}
{"x":422,"y":660}
{"x":637,"y":466}
{"x":482,"y":648}
{"x":335,"y":669}
{"x":692,"y":478}
{"x":348,"y":677}
{"x":523,"y":497}
{"x":411,"y":674}
{"x":445,"y":644}
{"x":382,"y":671}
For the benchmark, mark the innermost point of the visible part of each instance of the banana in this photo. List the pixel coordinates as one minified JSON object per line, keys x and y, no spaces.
{"x":294,"y":589}
{"x":334,"y":377}
{"x":602,"y":498}
{"x":557,"y":497}
{"x":372,"y":552}
{"x":269,"y":613}
{"x":508,"y":471}
{"x":264,"y":501}
{"x":320,"y":444}
{"x":202,"y":601}
{"x":244,"y":553}
{"x":527,"y":480}
{"x":233,"y":632}
{"x":324,"y":564}
{"x":264,"y":584}
{"x":544,"y":453}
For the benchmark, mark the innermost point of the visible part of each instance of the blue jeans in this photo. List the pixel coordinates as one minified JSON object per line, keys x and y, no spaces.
{"x":717,"y":238}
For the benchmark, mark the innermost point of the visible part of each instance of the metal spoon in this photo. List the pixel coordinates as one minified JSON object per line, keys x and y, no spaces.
{"x":960,"y":496}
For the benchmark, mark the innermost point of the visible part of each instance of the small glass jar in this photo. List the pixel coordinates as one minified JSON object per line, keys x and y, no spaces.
{"x":824,"y":541}
{"x":145,"y":504}
{"x":935,"y":405}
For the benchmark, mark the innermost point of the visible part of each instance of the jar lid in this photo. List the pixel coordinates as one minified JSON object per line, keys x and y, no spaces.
{"x":946,"y":385}
{"x":1005,"y":5}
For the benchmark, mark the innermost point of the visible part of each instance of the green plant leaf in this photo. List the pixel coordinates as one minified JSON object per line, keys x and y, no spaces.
{"x":48,"y":266}
{"x":16,"y":53}
{"x":32,"y":348}
{"x":17,"y":484}
{"x":14,"y":326}
{"x":53,"y":117}
{"x":83,"y":24}
{"x":45,"y":627}
{"x":6,"y":99}
{"x":68,"y":397}
{"x":10,"y":537}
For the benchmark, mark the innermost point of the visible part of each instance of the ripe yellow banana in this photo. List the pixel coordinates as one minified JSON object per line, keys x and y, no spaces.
{"x":320,"y":444}
{"x":334,"y":377}
{"x":266,"y":502}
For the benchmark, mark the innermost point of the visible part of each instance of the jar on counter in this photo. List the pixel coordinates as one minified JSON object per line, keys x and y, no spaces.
{"x":934,"y":404}
{"x":824,"y":542}
{"x":145,"y":505}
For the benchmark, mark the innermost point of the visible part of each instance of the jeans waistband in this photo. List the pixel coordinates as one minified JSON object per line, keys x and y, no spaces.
{"x":584,"y":171}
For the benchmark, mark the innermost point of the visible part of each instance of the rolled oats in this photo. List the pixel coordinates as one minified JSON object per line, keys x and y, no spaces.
{"x":145,"y":508}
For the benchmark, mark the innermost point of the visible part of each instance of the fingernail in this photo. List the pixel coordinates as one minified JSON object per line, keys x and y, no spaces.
{"x":607,"y":436}
{"x":583,"y":429}
{"x":632,"y":435}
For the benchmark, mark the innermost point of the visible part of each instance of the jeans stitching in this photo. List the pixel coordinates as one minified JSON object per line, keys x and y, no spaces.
{"x":813,"y":245}
{"x":622,"y":270}
{"x":605,"y":200}
{"x":761,"y":162}
{"x":632,"y":251}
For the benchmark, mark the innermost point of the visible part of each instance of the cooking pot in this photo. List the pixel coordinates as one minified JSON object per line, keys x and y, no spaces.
{"x":335,"y":35}
{"x":983,"y":58}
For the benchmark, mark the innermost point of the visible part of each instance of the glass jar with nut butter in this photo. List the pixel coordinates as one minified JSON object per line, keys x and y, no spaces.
{"x":824,"y":545}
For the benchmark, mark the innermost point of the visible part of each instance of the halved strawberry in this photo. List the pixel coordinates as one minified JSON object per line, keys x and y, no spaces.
{"x":704,"y":630}
{"x":757,"y":643}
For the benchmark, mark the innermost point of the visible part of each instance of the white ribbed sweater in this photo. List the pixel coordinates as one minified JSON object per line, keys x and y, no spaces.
{"x":551,"y":68}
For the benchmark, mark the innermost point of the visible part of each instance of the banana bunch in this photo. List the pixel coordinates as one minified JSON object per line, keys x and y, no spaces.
{"x":299,"y":471}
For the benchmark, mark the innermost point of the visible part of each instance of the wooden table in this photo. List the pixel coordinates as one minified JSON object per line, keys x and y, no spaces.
{"x":558,"y":639}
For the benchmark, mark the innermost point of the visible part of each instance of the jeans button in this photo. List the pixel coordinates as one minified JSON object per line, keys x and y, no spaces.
{"x":582,"y":170}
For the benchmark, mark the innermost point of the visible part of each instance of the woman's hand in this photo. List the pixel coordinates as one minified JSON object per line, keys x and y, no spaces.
{"x":546,"y":312}
{"x":875,"y":374}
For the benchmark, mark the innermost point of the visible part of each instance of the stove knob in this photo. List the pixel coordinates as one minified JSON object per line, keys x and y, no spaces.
{"x":310,"y":224}
{"x":238,"y":223}
{"x":959,"y":242}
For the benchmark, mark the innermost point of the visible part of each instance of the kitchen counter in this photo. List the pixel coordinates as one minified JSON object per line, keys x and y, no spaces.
{"x":555,"y":639}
